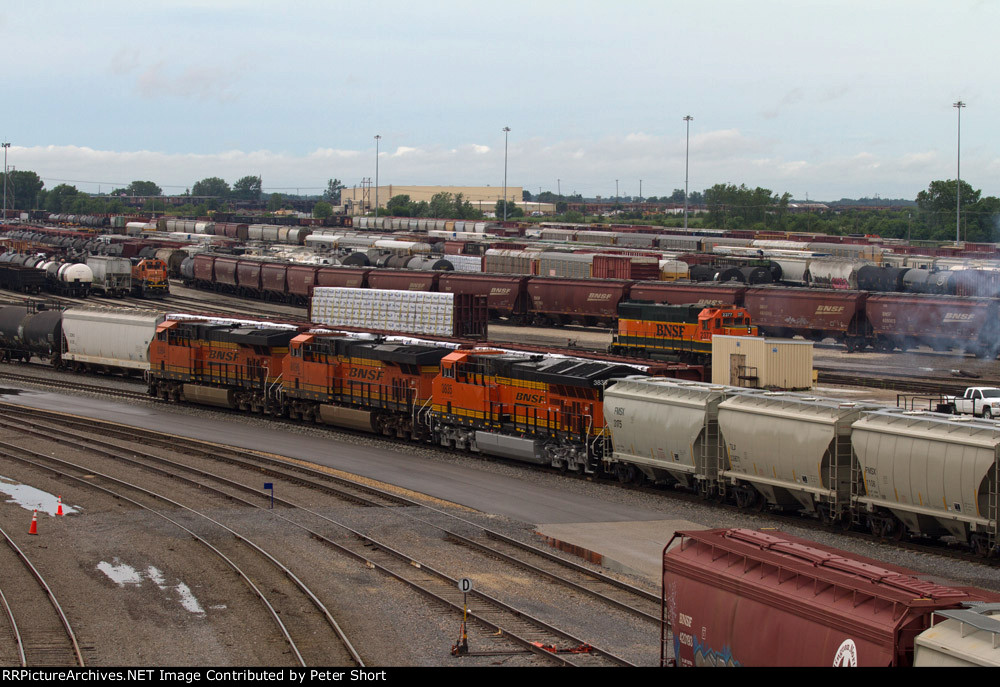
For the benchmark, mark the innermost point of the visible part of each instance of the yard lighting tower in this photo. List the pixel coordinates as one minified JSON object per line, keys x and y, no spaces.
{"x":377,"y":139}
{"x":958,"y":190}
{"x":5,"y":147}
{"x":506,"y":130}
{"x":687,"y":147}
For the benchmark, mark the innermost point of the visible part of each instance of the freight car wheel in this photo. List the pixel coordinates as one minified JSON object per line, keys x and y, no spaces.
{"x":980,"y":545}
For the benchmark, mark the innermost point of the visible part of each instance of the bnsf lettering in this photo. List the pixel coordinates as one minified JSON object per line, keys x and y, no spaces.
{"x":673,"y":330}
{"x":958,"y":317}
{"x":599,"y":297}
{"x":224,"y":356}
{"x":529,"y":398}
{"x":829,"y":309}
{"x":368,"y":375}
{"x":497,"y":291}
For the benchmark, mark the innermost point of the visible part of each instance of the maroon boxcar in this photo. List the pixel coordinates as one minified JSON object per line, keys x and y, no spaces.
{"x":507,"y":296}
{"x":743,"y":597}
{"x":225,"y":274}
{"x":301,"y":280}
{"x":204,"y":270}
{"x":625,"y":267}
{"x":403,"y":280}
{"x":234,"y":231}
{"x":682,"y":293}
{"x":248,"y":277}
{"x":901,"y":320}
{"x":814,"y":314}
{"x":344,"y":277}
{"x":586,"y":301}
{"x":274,"y":281}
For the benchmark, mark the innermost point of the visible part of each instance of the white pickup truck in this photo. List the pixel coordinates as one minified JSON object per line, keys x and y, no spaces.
{"x":983,"y":401}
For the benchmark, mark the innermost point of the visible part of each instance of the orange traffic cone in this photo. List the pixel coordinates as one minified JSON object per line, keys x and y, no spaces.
{"x":34,"y":523}
{"x":59,"y":509}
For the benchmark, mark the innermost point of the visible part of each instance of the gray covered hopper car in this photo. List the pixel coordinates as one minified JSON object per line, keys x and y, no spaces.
{"x":792,"y":450}
{"x":933,"y":474}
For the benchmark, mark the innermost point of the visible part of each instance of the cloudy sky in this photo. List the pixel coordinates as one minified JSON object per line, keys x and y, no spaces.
{"x":828,"y":99}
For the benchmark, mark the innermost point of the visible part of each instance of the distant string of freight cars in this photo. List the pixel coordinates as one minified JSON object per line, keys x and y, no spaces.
{"x":857,"y":315}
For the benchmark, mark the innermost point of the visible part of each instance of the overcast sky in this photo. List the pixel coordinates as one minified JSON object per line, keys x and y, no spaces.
{"x":830,"y":99}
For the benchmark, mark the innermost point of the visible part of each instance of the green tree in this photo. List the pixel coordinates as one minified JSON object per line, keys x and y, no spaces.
{"x":399,"y":206}
{"x":61,"y":198}
{"x":274,"y":202}
{"x":512,"y":210}
{"x":322,"y":210}
{"x":23,"y":188}
{"x":248,"y":188}
{"x":332,"y":192}
{"x":212,"y":186}
{"x":139,"y":188}
{"x":442,"y":205}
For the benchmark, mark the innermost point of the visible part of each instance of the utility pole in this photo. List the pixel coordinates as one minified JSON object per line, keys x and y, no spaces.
{"x":5,"y":147}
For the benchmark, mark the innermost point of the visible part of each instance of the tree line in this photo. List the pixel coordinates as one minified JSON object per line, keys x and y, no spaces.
{"x":931,"y":216}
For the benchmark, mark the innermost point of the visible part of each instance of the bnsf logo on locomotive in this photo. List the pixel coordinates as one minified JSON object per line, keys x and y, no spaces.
{"x":959,"y":316}
{"x":225,"y":356}
{"x":829,"y":309}
{"x":674,"y":330}
{"x":529,"y":398}
{"x":369,"y":375}
{"x":599,"y":297}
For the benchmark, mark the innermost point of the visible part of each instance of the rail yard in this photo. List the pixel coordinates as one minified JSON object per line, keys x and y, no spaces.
{"x":353,"y":556}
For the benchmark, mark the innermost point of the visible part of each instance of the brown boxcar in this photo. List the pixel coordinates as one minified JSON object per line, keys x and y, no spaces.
{"x":507,"y":296}
{"x":301,"y":280}
{"x":681,"y":293}
{"x":274,"y":281}
{"x":814,"y":314}
{"x":204,"y":269}
{"x":587,"y":301}
{"x":403,"y":280}
{"x":344,"y":277}
{"x":900,"y":320}
{"x":743,"y":597}
{"x":625,"y":267}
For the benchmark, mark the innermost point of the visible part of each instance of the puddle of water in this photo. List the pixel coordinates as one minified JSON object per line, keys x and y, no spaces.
{"x":123,"y":574}
{"x":30,"y":498}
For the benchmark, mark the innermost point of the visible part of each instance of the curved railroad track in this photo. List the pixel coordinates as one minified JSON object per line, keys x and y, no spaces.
{"x":531,"y":633}
{"x":285,"y":595}
{"x":39,"y":628}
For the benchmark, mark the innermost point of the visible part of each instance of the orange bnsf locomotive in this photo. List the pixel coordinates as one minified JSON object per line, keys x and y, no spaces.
{"x":547,"y":411}
{"x":683,"y":331}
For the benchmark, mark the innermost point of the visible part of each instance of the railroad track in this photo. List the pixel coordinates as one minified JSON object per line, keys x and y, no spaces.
{"x":73,"y":385}
{"x":41,"y":632}
{"x":531,"y":633}
{"x":285,"y":595}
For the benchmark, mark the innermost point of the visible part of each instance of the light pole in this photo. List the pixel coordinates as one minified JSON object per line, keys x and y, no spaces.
{"x":958,"y":190}
{"x":506,"y":130}
{"x":5,"y":147}
{"x":687,"y":148}
{"x":377,"y":139}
